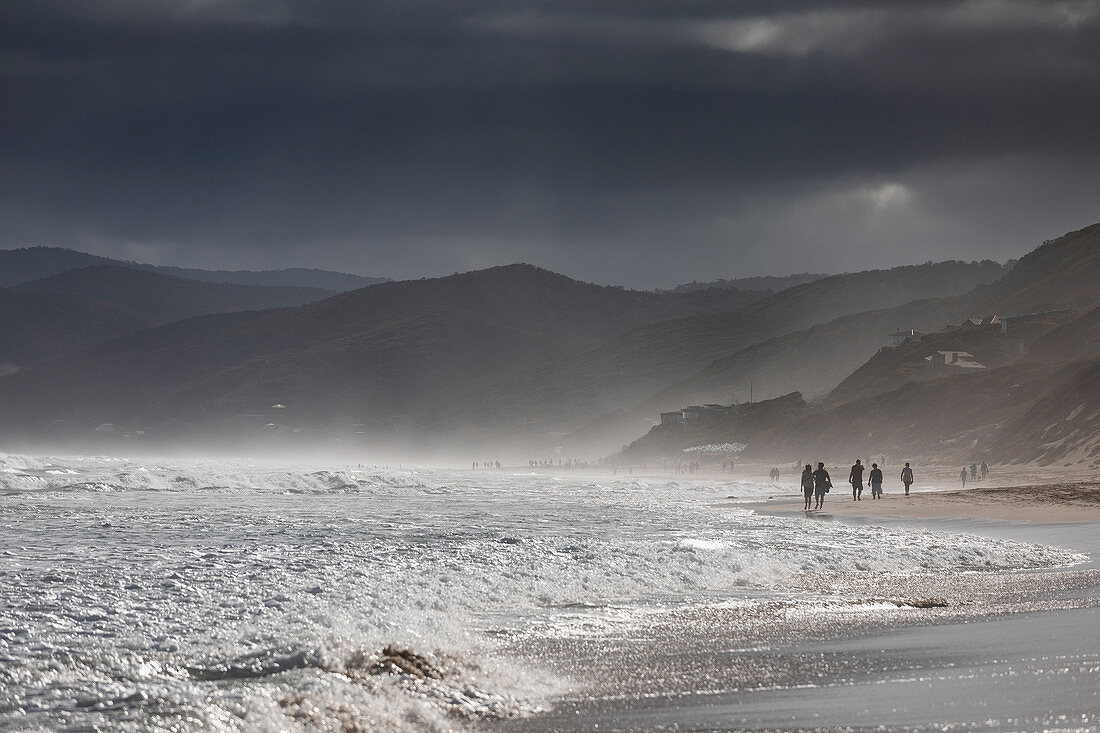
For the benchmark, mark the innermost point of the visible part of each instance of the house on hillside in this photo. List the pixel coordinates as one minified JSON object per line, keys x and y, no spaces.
{"x":899,"y":337}
{"x":1007,"y":321}
{"x":694,"y":412}
{"x":972,"y":322}
{"x":676,"y":417}
{"x":943,"y":361}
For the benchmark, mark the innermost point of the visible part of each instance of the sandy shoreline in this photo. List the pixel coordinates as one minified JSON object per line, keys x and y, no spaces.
{"x":1056,"y":502}
{"x":1009,"y":650}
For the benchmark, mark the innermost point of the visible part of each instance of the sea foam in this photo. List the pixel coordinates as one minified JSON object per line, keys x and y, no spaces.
{"x":244,"y":595}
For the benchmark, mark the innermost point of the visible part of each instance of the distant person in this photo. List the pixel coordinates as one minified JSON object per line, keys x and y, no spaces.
{"x":973,"y":472}
{"x":907,"y":477}
{"x":985,"y":470}
{"x":855,"y":478}
{"x":822,"y":484}
{"x":808,"y":485}
{"x":875,"y":479}
{"x":962,"y":476}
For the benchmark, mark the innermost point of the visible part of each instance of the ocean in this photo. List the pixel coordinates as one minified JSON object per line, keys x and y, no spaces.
{"x":176,"y":595}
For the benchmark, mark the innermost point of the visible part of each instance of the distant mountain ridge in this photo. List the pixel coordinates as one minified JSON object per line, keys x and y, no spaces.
{"x":507,"y":354}
{"x":775,"y":283}
{"x":35,"y":263}
{"x":518,"y":355}
{"x":299,"y":277}
{"x":61,"y":314}
{"x":390,"y":356}
{"x":655,"y":359}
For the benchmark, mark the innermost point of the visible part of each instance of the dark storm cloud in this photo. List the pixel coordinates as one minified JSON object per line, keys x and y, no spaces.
{"x":642,"y":142}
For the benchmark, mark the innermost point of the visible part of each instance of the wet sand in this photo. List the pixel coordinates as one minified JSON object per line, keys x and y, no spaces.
{"x":1058,"y":502}
{"x":864,"y":651}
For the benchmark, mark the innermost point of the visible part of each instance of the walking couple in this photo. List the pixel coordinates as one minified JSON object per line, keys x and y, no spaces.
{"x":855,"y":478}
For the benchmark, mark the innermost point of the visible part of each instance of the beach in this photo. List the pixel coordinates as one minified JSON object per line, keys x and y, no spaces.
{"x":912,"y":651}
{"x":157,"y":595}
{"x":1077,"y":501}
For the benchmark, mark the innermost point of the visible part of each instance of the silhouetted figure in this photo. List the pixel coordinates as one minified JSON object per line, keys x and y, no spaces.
{"x":875,"y":479}
{"x":962,"y":476}
{"x":985,"y":470}
{"x":855,"y":478}
{"x":907,"y":477}
{"x":973,"y":472}
{"x":822,"y":484}
{"x":808,"y":485}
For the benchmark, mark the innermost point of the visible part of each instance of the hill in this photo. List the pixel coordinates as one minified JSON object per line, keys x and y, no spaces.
{"x":1037,"y":404}
{"x":764,"y":282}
{"x":506,"y":356}
{"x":892,"y":367}
{"x":390,"y":357}
{"x":1060,"y":274}
{"x":38,"y":326}
{"x":35,"y":263}
{"x":958,"y":418}
{"x":164,"y":298}
{"x":1077,"y":339}
{"x":61,"y":314}
{"x":780,"y":342}
{"x":299,"y":277}
{"x":1043,"y":412}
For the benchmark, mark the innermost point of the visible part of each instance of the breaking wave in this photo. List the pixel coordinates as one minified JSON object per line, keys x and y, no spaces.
{"x":246,"y":596}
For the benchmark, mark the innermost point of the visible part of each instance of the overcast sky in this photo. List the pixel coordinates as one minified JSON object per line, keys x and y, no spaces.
{"x":632,"y":142}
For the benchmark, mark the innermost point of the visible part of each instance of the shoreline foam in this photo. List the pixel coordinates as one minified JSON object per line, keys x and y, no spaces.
{"x":1010,"y":649}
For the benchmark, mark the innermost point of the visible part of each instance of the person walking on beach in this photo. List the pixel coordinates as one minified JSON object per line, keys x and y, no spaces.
{"x":808,"y":485}
{"x":962,"y":476}
{"x":855,"y":478}
{"x":907,"y":477}
{"x":822,"y":484}
{"x":985,"y":470}
{"x":973,"y":471}
{"x":875,"y":479}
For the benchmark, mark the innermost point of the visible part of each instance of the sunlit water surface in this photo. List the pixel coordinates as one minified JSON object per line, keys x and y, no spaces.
{"x":219,"y":595}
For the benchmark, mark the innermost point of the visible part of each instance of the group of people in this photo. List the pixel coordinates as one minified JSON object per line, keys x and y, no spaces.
{"x":974,"y":472}
{"x":815,"y":484}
